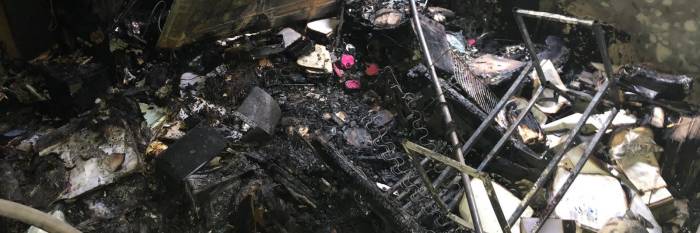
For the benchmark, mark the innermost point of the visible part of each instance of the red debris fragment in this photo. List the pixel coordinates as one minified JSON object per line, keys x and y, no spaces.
{"x":347,"y":61}
{"x":352,"y":84}
{"x":372,"y":69}
{"x":471,"y":42}
{"x":338,"y":72}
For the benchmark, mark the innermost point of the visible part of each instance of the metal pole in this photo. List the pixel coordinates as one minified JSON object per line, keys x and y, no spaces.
{"x":554,"y":17}
{"x":615,"y":93}
{"x":530,"y":48}
{"x":448,"y":118}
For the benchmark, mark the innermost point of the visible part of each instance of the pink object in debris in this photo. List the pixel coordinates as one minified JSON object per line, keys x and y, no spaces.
{"x":352,"y":84}
{"x":372,"y":69}
{"x":347,"y":61}
{"x":338,"y":72}
{"x":471,"y":42}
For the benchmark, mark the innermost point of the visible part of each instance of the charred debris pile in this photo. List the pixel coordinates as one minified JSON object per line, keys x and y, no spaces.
{"x":365,"y":116}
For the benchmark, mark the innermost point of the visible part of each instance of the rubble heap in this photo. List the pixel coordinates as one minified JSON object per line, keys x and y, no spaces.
{"x":370,"y":116}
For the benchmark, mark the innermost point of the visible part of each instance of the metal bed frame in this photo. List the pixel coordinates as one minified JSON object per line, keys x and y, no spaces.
{"x":467,"y":171}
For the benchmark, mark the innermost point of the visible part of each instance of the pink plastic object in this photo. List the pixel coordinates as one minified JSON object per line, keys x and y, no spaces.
{"x":347,"y":61}
{"x":372,"y":69}
{"x":338,"y":72}
{"x":352,"y":84}
{"x":471,"y":42}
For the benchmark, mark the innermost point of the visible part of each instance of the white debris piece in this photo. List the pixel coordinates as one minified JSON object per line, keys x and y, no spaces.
{"x":639,"y":208}
{"x":553,"y":225}
{"x":289,"y":36}
{"x":489,"y":222}
{"x":593,"y":123}
{"x":324,"y":26}
{"x":385,"y":188}
{"x":634,"y":152}
{"x":190,"y":79}
{"x":154,"y":115}
{"x":546,"y":105}
{"x":591,"y":200}
{"x":657,"y":117}
{"x":90,"y":155}
{"x":318,"y":60}
{"x":592,"y":165}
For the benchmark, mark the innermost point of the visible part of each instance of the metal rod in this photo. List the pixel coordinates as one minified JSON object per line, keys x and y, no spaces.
{"x":546,"y":174}
{"x":455,"y":199}
{"x":530,"y":48}
{"x":517,"y":84}
{"x":497,"y":109}
{"x":617,"y":96}
{"x":511,"y":129}
{"x":495,"y":204}
{"x":405,"y":178}
{"x":554,"y":201}
{"x":463,"y":168}
{"x":431,"y":190}
{"x":398,"y":183}
{"x":452,"y":93}
{"x":555,"y":17}
{"x":447,"y":172}
{"x":404,"y":194}
{"x":411,"y":147}
{"x":446,"y":114}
